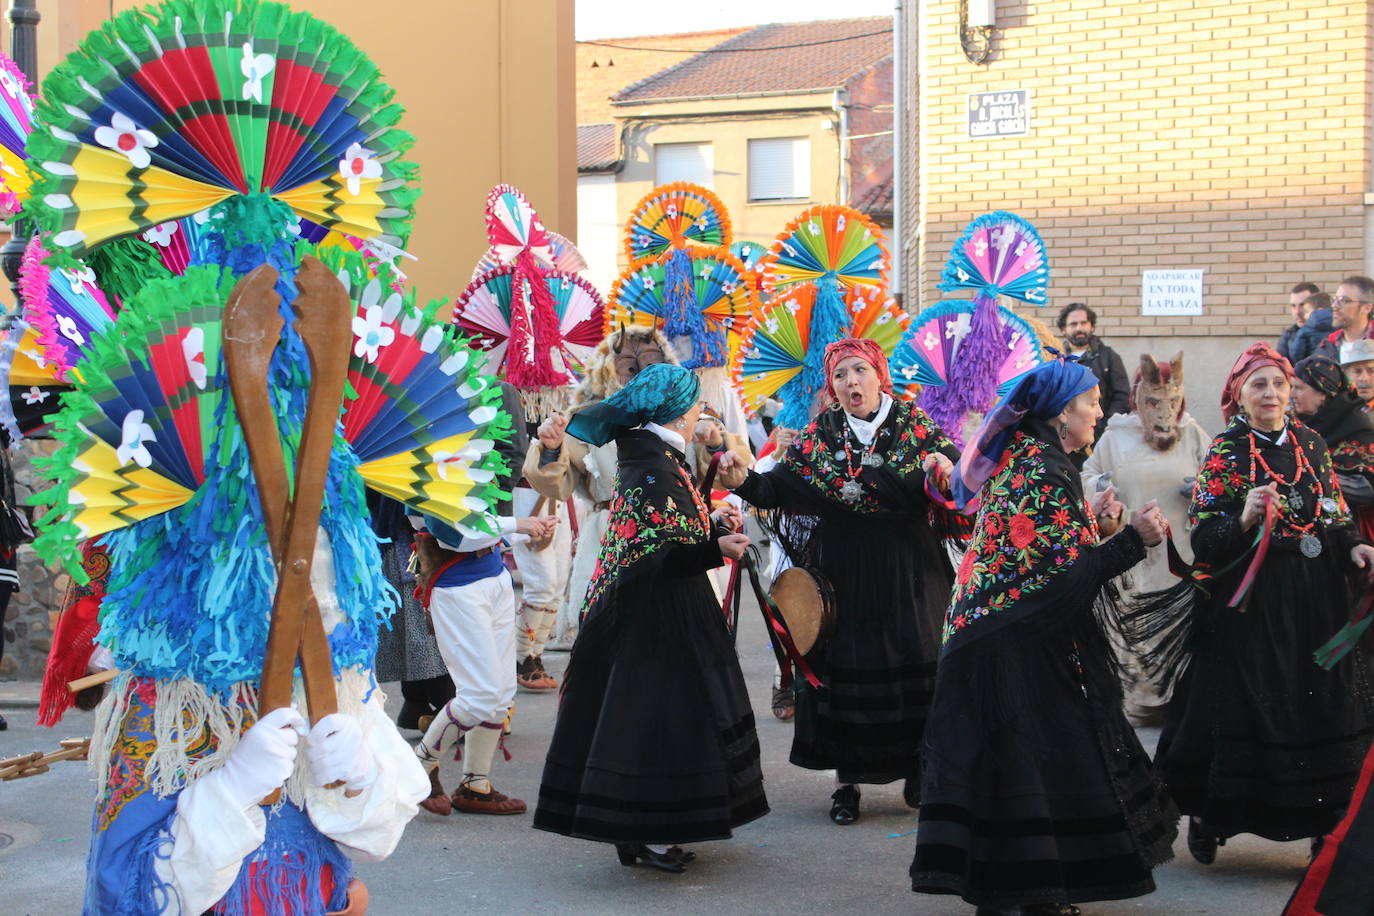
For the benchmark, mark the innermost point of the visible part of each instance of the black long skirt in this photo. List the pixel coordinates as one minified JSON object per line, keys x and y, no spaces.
{"x":655,"y":739}
{"x":1036,"y":788}
{"x":891,"y":582}
{"x":1258,"y":738}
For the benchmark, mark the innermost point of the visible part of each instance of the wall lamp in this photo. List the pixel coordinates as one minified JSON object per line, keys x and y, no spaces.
{"x":977,"y":19}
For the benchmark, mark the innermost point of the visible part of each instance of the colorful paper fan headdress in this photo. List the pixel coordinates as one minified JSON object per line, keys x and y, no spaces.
{"x":932,"y":347}
{"x":682,"y":276}
{"x":999,"y":254}
{"x":65,"y":305}
{"x":536,"y":321}
{"x":164,"y":112}
{"x":831,"y":251}
{"x":16,"y":120}
{"x":778,"y":356}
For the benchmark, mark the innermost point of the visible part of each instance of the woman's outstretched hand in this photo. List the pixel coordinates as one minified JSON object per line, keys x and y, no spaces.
{"x":1149,"y":522}
{"x":939,"y":469}
{"x":732,"y":546}
{"x":1362,"y":555}
{"x":731,"y":471}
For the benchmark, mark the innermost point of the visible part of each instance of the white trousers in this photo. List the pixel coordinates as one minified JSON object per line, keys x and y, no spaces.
{"x":474,"y":625}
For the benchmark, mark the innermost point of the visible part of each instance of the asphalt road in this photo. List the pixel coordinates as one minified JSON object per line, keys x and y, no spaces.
{"x":792,"y":861}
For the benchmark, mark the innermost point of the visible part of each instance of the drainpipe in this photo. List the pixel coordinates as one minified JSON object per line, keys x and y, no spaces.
{"x":898,"y":142}
{"x":842,"y":120}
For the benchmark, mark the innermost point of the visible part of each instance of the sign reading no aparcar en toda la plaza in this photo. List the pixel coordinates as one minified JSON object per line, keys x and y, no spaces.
{"x":1171,"y":292}
{"x":999,"y":114}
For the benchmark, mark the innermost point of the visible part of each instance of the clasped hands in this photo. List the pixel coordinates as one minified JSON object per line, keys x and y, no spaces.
{"x":265,"y":756}
{"x":1148,"y":521}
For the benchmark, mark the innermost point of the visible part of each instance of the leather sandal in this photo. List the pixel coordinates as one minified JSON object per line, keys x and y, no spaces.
{"x":634,"y":853}
{"x":548,"y":680}
{"x":1201,"y":843}
{"x":845,"y":810}
{"x":466,"y":800}
{"x":438,"y":801}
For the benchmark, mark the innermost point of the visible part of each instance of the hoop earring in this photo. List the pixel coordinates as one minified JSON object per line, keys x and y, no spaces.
{"x":1063,"y":430}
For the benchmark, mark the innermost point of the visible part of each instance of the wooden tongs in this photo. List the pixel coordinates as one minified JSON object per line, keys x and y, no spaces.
{"x":251,"y":328}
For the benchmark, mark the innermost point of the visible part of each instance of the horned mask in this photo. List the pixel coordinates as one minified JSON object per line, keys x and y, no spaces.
{"x":1158,"y":397}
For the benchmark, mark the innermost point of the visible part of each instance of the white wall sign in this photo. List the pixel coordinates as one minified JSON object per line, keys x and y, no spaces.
{"x":1171,"y":293}
{"x":999,"y":114}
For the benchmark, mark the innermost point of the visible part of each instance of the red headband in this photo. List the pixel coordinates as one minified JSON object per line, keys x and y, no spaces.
{"x":865,"y":349}
{"x":1256,"y":356}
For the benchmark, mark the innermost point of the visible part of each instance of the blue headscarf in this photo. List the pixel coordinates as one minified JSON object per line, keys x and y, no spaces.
{"x":659,"y":393}
{"x":1042,"y":393}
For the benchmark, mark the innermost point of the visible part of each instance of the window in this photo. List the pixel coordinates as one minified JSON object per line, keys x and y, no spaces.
{"x":780,"y":169}
{"x":692,"y":162}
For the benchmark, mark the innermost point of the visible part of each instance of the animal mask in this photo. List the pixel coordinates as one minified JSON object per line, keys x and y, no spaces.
{"x":1158,"y":397}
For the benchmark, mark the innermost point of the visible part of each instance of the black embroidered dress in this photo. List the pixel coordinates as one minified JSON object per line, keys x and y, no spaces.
{"x":655,"y":739}
{"x":1259,"y":739}
{"x":1036,"y":789}
{"x":890,"y":577}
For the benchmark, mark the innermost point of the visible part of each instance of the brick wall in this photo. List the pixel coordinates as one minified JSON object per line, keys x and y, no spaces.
{"x":1228,"y":136}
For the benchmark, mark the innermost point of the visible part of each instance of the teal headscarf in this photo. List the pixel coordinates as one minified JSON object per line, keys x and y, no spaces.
{"x":659,"y":393}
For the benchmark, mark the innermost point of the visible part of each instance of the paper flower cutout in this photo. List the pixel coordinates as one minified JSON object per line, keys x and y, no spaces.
{"x":124,"y":136}
{"x":371,"y":333}
{"x":254,"y":67}
{"x":161,"y":234}
{"x":69,"y":330}
{"x":193,"y":350}
{"x":34,"y":395}
{"x":135,"y":434}
{"x":356,"y":165}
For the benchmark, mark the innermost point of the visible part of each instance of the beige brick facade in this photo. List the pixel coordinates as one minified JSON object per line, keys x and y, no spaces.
{"x":1228,"y":136}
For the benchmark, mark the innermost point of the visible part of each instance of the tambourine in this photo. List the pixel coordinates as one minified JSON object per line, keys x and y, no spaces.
{"x":803,"y":598}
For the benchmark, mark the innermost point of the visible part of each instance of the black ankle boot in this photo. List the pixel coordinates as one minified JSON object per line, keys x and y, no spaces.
{"x":1201,"y":842}
{"x":634,"y":853}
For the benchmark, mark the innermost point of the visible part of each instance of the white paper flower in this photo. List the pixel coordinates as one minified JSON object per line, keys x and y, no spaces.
{"x":193,"y":350}
{"x":255,"y":67}
{"x":69,"y":330}
{"x":371,"y":333}
{"x":958,"y":328}
{"x":356,"y":165}
{"x":79,"y":276}
{"x":980,"y":245}
{"x":161,"y":234}
{"x":39,"y":359}
{"x":930,"y":340}
{"x":649,"y":283}
{"x":133,"y":446}
{"x":9,"y":84}
{"x":34,"y":395}
{"x":124,"y":136}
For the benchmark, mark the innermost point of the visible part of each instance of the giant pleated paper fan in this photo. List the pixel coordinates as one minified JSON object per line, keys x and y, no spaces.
{"x":771,"y":356}
{"x":164,"y":112}
{"x":16,"y":120}
{"x":484,"y":312}
{"x":65,"y":305}
{"x":716,"y":296}
{"x":828,"y":243}
{"x":999,"y":254}
{"x":513,"y":226}
{"x":931,"y":346}
{"x":676,"y":215}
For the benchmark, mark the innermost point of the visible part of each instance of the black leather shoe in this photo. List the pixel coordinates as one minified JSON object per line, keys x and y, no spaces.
{"x":682,"y":855}
{"x":1201,"y":843}
{"x":846,"y":808}
{"x":409,"y":716}
{"x":634,"y":853}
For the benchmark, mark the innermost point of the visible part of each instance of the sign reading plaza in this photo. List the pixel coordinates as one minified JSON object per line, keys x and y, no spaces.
{"x":1171,"y":293}
{"x":999,"y":114}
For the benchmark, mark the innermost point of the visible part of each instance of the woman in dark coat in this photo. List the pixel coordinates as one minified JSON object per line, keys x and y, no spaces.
{"x":859,"y":471}
{"x":1324,"y":400}
{"x":654,"y":743}
{"x":1259,"y":739}
{"x":1037,"y":793}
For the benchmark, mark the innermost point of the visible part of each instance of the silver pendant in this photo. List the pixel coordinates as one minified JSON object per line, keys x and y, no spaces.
{"x":1329,"y":505}
{"x":851,"y":491}
{"x":1310,"y":546}
{"x":872,"y":460}
{"x":1295,"y":501}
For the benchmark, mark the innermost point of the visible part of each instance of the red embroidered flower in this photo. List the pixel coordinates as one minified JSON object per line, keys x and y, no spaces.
{"x":1006,"y":460}
{"x":1014,"y":594}
{"x":1216,"y":486}
{"x":919,"y":432}
{"x":1022,"y":531}
{"x":808,"y":446}
{"x":960,"y":622}
{"x":629,"y":529}
{"x":1073,"y":553}
{"x":1216,"y":463}
{"x":992,"y":522}
{"x":966,"y":567}
{"x":1060,"y":518}
{"x":1018,"y":481}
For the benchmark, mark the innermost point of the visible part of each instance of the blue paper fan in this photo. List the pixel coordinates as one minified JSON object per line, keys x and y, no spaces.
{"x":999,"y":254}
{"x":930,"y":347}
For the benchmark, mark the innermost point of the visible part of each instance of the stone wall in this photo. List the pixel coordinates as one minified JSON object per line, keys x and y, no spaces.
{"x":32,"y":611}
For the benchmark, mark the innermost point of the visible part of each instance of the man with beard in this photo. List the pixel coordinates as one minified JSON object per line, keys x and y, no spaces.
{"x":1152,"y":453}
{"x":1078,"y":323}
{"x":1297,"y":296}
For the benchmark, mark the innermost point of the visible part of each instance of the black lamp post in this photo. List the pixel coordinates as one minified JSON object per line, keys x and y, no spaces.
{"x":23,"y":19}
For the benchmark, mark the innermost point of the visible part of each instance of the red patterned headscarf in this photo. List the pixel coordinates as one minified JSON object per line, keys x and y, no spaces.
{"x":1256,"y":356}
{"x":862,"y":347}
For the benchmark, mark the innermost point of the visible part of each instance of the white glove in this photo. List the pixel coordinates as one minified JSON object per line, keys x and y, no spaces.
{"x":337,"y":753}
{"x":264,"y":757}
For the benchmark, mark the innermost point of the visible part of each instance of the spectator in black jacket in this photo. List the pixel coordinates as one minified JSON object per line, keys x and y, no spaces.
{"x":1077,"y":323}
{"x":1317,"y":328}
{"x":1296,"y":297}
